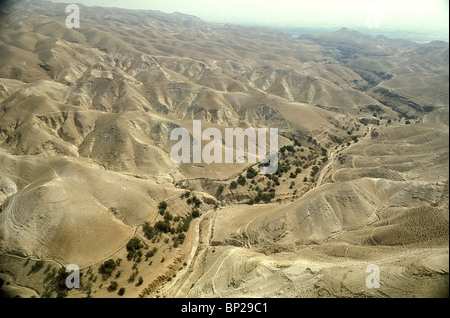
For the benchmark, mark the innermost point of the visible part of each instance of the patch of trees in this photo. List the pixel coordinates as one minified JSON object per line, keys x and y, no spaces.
{"x":314,"y":170}
{"x":151,"y":253}
{"x":162,"y":226}
{"x":220,"y":190}
{"x":241,"y":180}
{"x":170,"y":224}
{"x":251,"y":173}
{"x":179,"y":239}
{"x":57,"y":284}
{"x":162,"y":207}
{"x":266,"y":197}
{"x":195,"y":201}
{"x":107,"y":268}
{"x":149,"y":231}
{"x":134,"y":247}
{"x":195,"y":213}
{"x":186,"y":195}
{"x":282,"y":169}
{"x":113,"y":286}
{"x":288,"y":148}
{"x":37,"y":265}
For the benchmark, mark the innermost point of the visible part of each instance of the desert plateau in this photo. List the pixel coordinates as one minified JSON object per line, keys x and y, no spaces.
{"x":86,"y":175}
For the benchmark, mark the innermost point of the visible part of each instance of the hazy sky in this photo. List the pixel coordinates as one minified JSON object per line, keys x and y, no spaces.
{"x":430,"y":15}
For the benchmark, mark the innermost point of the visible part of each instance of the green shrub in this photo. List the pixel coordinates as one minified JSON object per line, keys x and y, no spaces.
{"x":148,"y":230}
{"x":60,"y":280}
{"x":220,"y":190}
{"x":37,"y":265}
{"x":61,"y":293}
{"x":179,"y":240}
{"x":187,"y":194}
{"x":251,"y":173}
{"x":151,"y":253}
{"x":266,"y":197}
{"x":282,"y":169}
{"x":121,"y":291}
{"x":241,"y":180}
{"x":168,"y":216}
{"x":113,"y":286}
{"x":108,"y":267}
{"x":197,"y":202}
{"x":133,"y":247}
{"x":162,"y":226}
{"x":134,"y":244}
{"x":186,"y":223}
{"x":132,"y":277}
{"x":195,"y":213}
{"x":288,"y":148}
{"x":162,"y":205}
{"x":276,"y":180}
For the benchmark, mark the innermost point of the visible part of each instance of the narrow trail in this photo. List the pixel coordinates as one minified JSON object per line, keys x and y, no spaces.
{"x":213,"y":280}
{"x":176,"y":286}
{"x":332,"y":160}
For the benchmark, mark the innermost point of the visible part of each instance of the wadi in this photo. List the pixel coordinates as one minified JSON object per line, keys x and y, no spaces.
{"x":338,"y":185}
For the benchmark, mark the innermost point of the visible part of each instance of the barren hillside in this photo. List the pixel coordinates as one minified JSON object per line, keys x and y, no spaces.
{"x":85,"y":122}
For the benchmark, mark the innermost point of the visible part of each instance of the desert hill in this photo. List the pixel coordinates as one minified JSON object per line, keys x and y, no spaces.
{"x":85,"y":122}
